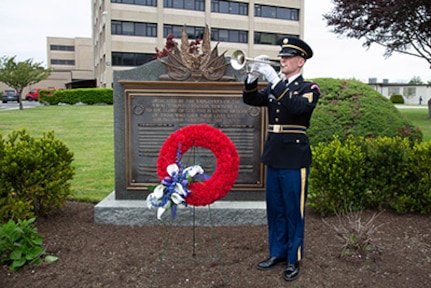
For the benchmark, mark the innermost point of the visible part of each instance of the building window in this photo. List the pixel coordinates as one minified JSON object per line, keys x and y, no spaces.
{"x":269,"y":38}
{"x":62,"y":48}
{"x":133,"y":28}
{"x":131,"y":59}
{"x":229,"y":7}
{"x":409,"y":92}
{"x":197,"y":5}
{"x":393,"y":90}
{"x":276,"y":12}
{"x":137,"y":2}
{"x":62,"y":62}
{"x":224,"y":35}
{"x":193,"y":32}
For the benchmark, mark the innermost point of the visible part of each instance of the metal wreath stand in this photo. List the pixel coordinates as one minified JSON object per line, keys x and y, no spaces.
{"x":197,"y":136}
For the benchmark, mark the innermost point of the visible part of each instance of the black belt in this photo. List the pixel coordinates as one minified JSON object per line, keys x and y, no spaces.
{"x":276,"y":128}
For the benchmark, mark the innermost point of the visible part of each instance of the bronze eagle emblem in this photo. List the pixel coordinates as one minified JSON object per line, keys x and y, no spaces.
{"x":183,"y":65}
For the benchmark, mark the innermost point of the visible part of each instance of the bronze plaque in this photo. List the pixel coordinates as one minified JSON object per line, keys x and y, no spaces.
{"x":153,"y":110}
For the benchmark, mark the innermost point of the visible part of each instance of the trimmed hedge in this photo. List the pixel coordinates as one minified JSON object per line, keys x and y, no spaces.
{"x":46,"y":92}
{"x":371,"y":173}
{"x":88,"y":96}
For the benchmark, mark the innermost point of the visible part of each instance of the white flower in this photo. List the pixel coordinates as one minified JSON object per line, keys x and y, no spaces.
{"x":155,"y":196}
{"x":158,"y":191}
{"x":160,"y":212}
{"x":172,"y":169}
{"x":180,"y":189}
{"x":174,"y":187}
{"x":177,"y":198}
{"x":193,"y":170}
{"x":149,"y":201}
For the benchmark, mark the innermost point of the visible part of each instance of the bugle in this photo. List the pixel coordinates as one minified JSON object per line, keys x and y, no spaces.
{"x":239,"y":60}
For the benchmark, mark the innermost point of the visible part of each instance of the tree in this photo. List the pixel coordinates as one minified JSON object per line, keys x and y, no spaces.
{"x":416,"y":80}
{"x":402,"y":26}
{"x":19,"y":75}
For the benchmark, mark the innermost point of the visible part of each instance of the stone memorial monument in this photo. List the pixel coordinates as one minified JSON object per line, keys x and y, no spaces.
{"x":156,"y":99}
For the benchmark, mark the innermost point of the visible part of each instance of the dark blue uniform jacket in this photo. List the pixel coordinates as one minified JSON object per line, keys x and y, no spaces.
{"x":287,"y":105}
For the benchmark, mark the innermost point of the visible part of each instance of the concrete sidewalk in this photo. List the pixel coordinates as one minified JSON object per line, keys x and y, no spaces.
{"x":408,"y":106}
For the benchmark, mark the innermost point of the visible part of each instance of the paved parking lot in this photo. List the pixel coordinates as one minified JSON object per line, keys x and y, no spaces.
{"x":14,"y":105}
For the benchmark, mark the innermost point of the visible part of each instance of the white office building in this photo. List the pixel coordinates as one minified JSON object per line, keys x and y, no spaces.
{"x":126,"y":33}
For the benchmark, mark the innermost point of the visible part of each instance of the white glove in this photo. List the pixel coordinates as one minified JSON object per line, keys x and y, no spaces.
{"x":261,"y":57}
{"x":259,"y":67}
{"x":254,"y":69}
{"x":269,"y":73}
{"x":251,"y":78}
{"x":254,"y":72}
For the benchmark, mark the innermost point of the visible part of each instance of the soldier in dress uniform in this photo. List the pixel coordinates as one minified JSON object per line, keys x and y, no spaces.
{"x":287,"y":154}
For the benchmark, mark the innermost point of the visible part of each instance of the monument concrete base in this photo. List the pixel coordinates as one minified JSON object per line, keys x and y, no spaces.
{"x":220,"y":213}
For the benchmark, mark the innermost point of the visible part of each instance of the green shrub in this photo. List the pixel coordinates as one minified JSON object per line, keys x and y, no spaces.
{"x":350,"y":107}
{"x":337,"y":178}
{"x":34,"y":175}
{"x":46,"y":92}
{"x":396,"y":99}
{"x":82,"y":95}
{"x":416,"y":197}
{"x":387,"y":169}
{"x":20,"y":244}
{"x":370,"y":173}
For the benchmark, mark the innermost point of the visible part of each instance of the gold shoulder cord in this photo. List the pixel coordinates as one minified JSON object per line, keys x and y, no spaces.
{"x":282,"y":94}
{"x":251,"y":90}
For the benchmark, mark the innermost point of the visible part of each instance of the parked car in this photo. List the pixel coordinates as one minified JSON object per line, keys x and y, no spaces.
{"x":33,"y":94}
{"x":9,"y":95}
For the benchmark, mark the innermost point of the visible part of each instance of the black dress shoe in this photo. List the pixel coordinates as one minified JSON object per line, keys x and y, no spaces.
{"x":291,"y":272}
{"x":270,"y":263}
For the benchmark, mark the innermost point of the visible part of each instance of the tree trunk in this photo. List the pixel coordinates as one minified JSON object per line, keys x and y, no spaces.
{"x":20,"y":100}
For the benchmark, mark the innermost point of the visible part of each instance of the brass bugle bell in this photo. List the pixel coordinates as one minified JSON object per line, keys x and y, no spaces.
{"x":239,"y":60}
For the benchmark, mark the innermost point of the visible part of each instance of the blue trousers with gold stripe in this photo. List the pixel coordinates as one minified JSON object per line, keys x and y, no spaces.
{"x":286,"y":194}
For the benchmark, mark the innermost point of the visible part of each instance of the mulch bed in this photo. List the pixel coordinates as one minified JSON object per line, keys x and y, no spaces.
{"x":92,"y":255}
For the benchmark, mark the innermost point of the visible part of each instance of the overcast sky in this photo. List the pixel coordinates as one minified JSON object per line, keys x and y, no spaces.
{"x":25,"y":25}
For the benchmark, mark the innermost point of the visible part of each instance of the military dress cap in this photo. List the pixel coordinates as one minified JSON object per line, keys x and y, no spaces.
{"x":293,"y":46}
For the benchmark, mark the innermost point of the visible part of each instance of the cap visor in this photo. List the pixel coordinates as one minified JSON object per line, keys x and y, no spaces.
{"x":286,"y":54}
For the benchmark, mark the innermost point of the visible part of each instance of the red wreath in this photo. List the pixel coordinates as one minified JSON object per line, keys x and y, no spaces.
{"x":227,"y":161}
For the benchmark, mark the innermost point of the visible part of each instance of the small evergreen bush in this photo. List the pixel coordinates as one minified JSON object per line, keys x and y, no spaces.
{"x":396,"y":99}
{"x":350,"y":107}
{"x":34,"y":175}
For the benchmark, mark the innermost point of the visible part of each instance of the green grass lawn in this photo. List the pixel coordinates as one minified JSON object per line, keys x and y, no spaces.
{"x":88,"y":132}
{"x":419,"y":117}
